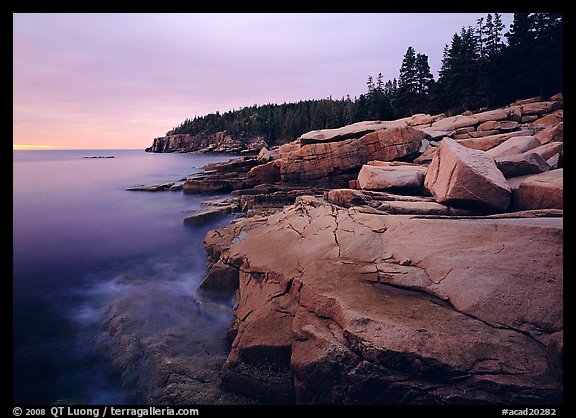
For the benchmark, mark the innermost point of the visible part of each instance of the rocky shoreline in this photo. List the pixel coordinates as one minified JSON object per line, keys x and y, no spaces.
{"x":415,"y":261}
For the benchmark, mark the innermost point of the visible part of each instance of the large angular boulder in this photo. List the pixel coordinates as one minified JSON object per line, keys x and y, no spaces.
{"x":490,"y":141}
{"x":324,"y":160}
{"x":264,"y":174}
{"x":540,"y":191}
{"x":391,"y":176}
{"x":522,"y":164}
{"x":354,"y":130}
{"x":515,"y":145}
{"x":553,"y":133}
{"x":460,"y":176}
{"x":548,"y":150}
{"x":539,"y":108}
{"x":490,"y":115}
{"x":455,"y":122}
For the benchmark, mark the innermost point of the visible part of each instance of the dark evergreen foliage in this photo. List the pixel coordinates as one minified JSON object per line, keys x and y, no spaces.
{"x":479,"y":70}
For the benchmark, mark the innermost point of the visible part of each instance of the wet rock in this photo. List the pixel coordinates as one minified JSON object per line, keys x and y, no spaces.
{"x":167,"y":347}
{"x":152,"y":187}
{"x":210,"y":214}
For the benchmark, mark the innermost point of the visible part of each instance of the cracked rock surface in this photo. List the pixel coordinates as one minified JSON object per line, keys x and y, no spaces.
{"x":346,"y":306}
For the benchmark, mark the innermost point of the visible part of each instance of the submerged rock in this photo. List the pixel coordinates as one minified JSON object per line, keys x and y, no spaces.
{"x":152,"y":187}
{"x":167,"y":347}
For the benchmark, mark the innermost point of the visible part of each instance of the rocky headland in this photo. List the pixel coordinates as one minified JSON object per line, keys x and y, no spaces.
{"x":414,"y":261}
{"x":218,"y":142}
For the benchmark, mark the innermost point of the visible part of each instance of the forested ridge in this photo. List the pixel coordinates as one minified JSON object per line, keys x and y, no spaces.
{"x":483,"y":66}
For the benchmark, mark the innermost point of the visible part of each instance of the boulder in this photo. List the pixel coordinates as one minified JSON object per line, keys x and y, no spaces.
{"x":540,"y":191}
{"x":426,"y":156}
{"x":419,"y":208}
{"x":384,"y":177}
{"x":515,"y":145}
{"x":355,"y":130}
{"x":508,"y":125}
{"x":553,"y":133}
{"x":516,"y":113}
{"x":528,"y":100}
{"x":460,"y":176}
{"x":558,"y":97}
{"x":492,"y":115}
{"x":325,"y":161}
{"x":264,"y":155}
{"x":539,"y":108}
{"x":549,"y":149}
{"x":152,"y":187}
{"x":284,"y":150}
{"x":550,"y":120}
{"x":420,"y":119}
{"x":221,"y":278}
{"x":264,"y":174}
{"x":554,"y":161}
{"x":480,"y":134}
{"x":522,"y":164}
{"x":455,"y":122}
{"x":213,"y":185}
{"x":529,"y":119}
{"x":487,"y":142}
{"x":436,"y":134}
{"x":346,"y":197}
{"x":349,"y":197}
{"x":208,"y":215}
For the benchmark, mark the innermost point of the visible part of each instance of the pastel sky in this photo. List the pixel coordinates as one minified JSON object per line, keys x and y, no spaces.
{"x":116,"y":81}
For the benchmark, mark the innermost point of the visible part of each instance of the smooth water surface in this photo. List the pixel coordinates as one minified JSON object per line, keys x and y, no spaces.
{"x":80,"y":241}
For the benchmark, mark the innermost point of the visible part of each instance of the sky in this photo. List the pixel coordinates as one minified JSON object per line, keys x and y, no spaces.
{"x":116,"y":81}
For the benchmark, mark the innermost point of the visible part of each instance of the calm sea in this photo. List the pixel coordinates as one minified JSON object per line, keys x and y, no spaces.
{"x":76,"y":233}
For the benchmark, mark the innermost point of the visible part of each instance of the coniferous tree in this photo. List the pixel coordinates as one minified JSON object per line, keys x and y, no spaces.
{"x":532,"y":63}
{"x":406,"y":95}
{"x":481,"y":35}
{"x":479,"y":69}
{"x":424,"y":80}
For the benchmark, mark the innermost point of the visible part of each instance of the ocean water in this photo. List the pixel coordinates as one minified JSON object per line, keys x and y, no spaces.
{"x":80,"y":242}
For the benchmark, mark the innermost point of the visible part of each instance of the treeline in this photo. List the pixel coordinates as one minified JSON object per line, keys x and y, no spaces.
{"x":276,"y":122}
{"x":482,"y":67}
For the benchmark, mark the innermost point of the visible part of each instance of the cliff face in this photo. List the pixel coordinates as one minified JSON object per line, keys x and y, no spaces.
{"x":216,"y":142}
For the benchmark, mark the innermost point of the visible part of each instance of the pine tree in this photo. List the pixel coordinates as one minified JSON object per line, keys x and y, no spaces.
{"x":481,"y":34}
{"x":408,"y":78}
{"x":424,"y":80}
{"x":533,"y":61}
{"x":370,"y":84}
{"x":407,"y":93}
